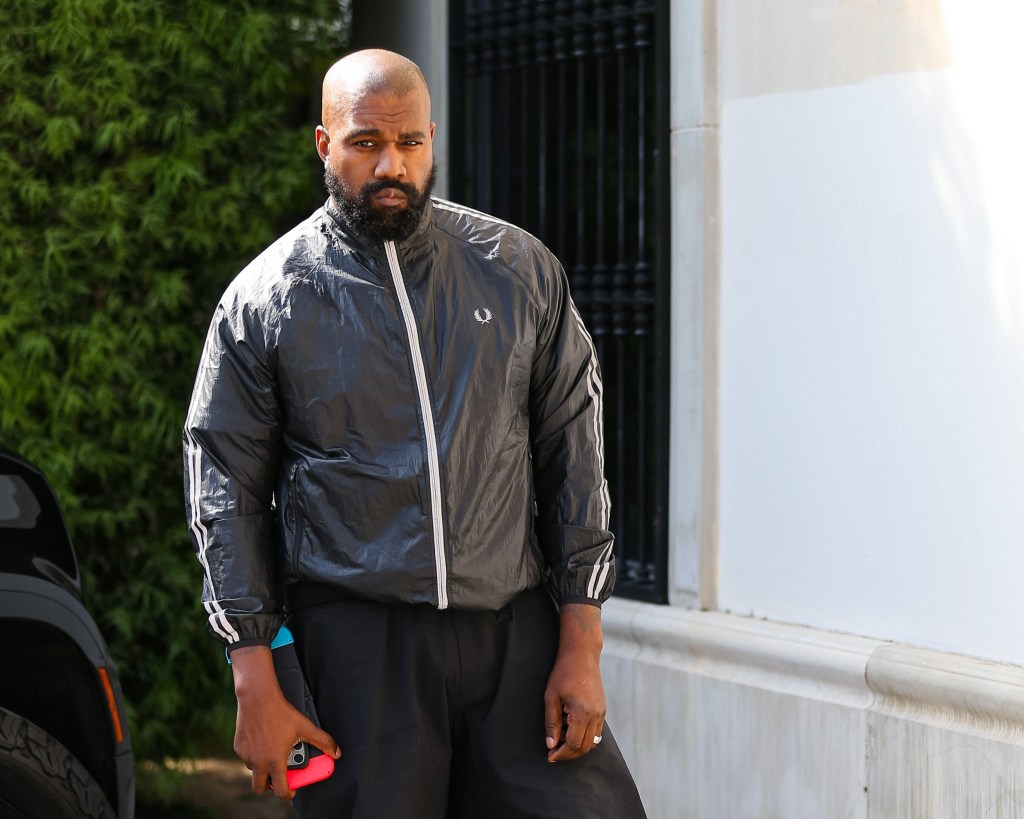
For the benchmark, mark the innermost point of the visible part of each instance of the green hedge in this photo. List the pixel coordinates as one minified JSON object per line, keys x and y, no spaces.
{"x":147,"y":151}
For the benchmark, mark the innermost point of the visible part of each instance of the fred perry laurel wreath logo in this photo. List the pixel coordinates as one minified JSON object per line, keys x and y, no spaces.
{"x":483,"y":315}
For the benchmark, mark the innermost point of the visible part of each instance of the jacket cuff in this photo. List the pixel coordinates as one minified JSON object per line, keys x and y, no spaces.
{"x":238,"y":625}
{"x":243,"y":644}
{"x":256,"y":641}
{"x":581,"y":561}
{"x":590,"y":601}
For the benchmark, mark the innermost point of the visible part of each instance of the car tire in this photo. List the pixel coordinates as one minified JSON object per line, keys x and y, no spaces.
{"x":40,"y":779}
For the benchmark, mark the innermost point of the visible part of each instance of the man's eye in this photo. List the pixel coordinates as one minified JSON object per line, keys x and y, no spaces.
{"x":365,"y":143}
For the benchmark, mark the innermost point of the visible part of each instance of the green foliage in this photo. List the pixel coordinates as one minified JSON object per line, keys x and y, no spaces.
{"x":147,"y":151}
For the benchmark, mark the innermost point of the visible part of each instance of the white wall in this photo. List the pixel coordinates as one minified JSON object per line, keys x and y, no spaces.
{"x":872,"y":319}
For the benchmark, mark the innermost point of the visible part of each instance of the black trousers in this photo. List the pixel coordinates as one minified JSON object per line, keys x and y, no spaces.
{"x":441,"y":714}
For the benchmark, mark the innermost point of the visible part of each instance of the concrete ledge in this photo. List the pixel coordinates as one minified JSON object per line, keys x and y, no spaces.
{"x":799,"y":661}
{"x":950,"y":691}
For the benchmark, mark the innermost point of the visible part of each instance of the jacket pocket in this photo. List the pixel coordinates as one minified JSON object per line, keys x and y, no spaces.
{"x":293,"y":519}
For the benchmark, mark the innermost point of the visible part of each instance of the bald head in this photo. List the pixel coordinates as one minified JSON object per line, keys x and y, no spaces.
{"x":373,"y":71}
{"x":376,"y":143}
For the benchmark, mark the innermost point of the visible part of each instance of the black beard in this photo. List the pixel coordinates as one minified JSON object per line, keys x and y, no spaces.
{"x":380,"y":225}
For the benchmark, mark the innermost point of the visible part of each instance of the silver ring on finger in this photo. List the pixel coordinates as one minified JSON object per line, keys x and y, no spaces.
{"x":597,"y":740}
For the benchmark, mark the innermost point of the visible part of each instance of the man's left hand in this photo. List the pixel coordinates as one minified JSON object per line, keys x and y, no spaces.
{"x":574,"y":704}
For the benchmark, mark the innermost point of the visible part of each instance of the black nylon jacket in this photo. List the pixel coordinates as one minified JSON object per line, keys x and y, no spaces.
{"x":416,"y":422}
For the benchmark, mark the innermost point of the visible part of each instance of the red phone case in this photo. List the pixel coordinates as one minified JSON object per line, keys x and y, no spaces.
{"x":319,"y":767}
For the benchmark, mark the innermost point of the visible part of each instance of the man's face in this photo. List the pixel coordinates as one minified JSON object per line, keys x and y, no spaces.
{"x":379,"y":163}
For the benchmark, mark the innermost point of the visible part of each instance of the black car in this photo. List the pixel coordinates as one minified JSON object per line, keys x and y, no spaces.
{"x":64,"y":746}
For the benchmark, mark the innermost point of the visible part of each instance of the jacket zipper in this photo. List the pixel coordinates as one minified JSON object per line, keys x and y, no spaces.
{"x":433,"y":464}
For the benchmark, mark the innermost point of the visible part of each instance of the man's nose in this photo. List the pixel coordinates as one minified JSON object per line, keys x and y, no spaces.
{"x":390,"y":163}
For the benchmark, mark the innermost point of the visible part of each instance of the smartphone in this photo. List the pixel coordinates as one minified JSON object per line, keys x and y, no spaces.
{"x":306,"y":763}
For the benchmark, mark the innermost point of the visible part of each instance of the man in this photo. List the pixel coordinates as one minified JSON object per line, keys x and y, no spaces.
{"x":395,"y":436}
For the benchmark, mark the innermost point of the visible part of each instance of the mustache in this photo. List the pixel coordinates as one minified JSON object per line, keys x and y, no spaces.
{"x":371,"y":188}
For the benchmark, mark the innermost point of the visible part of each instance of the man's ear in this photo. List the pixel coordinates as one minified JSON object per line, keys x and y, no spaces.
{"x":323,"y":143}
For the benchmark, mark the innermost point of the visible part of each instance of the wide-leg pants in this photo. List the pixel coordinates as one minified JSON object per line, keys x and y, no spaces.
{"x":441,"y":714}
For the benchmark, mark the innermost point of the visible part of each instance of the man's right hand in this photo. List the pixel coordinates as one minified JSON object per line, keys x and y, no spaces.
{"x":267,"y":725}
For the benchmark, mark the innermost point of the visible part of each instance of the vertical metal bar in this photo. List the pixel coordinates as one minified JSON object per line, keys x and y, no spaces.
{"x":483,"y":120}
{"x":502,"y":181}
{"x":623,"y":488}
{"x":645,"y":569}
{"x":459,"y":94}
{"x":642,"y":279}
{"x":561,"y":43}
{"x":620,"y":280}
{"x":541,"y":46}
{"x":641,"y":32}
{"x":599,"y":314}
{"x":579,"y":50}
{"x":525,"y":100}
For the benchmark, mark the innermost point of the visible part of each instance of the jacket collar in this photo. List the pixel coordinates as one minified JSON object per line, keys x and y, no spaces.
{"x":359,"y":242}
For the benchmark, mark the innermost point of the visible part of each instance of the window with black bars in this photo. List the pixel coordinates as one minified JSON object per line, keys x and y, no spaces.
{"x":559,"y":116}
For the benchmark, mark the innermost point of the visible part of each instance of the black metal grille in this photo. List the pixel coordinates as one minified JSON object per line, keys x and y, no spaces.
{"x":561,"y":126}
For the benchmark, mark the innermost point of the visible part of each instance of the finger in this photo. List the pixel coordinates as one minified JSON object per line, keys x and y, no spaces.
{"x":324,"y":741}
{"x":579,"y":741}
{"x":279,"y":781}
{"x":563,"y":752}
{"x":552,"y":721}
{"x":259,"y":781}
{"x":574,"y":736}
{"x":591,"y":734}
{"x":599,"y":731}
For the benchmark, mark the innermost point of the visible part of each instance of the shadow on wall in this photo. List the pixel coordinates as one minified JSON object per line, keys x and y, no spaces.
{"x":776,"y":46}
